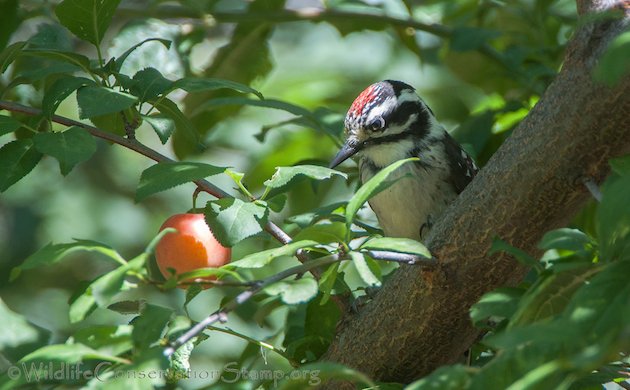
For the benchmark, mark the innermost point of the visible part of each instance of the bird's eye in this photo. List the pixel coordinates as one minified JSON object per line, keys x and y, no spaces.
{"x":377,"y":124}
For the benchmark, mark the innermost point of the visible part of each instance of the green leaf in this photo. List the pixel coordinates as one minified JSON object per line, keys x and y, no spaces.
{"x":260,"y":259}
{"x":8,"y":125}
{"x":190,"y":84}
{"x":232,"y":220}
{"x":70,"y":147}
{"x":550,"y":295}
{"x":324,"y":212}
{"x":502,"y":302}
{"x":53,"y":253}
{"x":107,"y":286}
{"x":73,"y":59}
{"x":126,"y":307}
{"x":121,"y":59}
{"x":178,"y":325}
{"x":613,"y":65}
{"x":237,"y":177}
{"x":520,"y":368}
{"x":113,"y":123}
{"x":67,"y":353}
{"x":96,"y":101}
{"x":149,"y":83}
{"x":324,"y":233}
{"x":54,"y":358}
{"x":394,"y":244}
{"x":87,"y":19}
{"x":453,"y":377}
{"x":11,"y":19}
{"x":206,"y":272}
{"x":613,"y":219}
{"x":327,"y":282}
{"x":165,"y":175}
{"x":17,"y":159}
{"x":621,"y":165}
{"x":601,"y":307}
{"x":43,"y":70}
{"x":16,"y":330}
{"x":565,"y":238}
{"x":9,"y":54}
{"x":149,"y":327}
{"x":277,"y":202}
{"x":61,"y":89}
{"x":286,"y":177}
{"x":364,"y":270}
{"x":372,"y":187}
{"x":294,"y":291}
{"x":191,"y":292}
{"x":320,"y":372}
{"x":183,"y":125}
{"x":162,"y":125}
{"x":267,"y":103}
{"x":535,"y":336}
{"x":51,"y":37}
{"x":148,"y":361}
{"x":521,"y":256}
{"x":82,"y":303}
{"x":114,"y":339}
{"x":471,"y":38}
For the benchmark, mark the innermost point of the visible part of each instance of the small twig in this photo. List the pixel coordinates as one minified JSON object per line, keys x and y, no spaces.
{"x":221,"y":314}
{"x":262,"y":344}
{"x":592,"y":187}
{"x":404,"y":258}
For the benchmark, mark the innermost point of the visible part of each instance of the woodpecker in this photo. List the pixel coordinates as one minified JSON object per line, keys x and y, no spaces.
{"x":388,"y":122}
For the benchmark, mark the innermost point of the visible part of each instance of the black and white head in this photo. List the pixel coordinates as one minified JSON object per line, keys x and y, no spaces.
{"x":386,"y":115}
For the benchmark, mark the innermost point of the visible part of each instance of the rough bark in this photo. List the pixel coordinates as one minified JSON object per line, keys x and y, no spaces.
{"x":420,"y":319}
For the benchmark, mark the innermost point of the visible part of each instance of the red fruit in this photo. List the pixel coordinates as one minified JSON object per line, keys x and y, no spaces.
{"x":192,"y":247}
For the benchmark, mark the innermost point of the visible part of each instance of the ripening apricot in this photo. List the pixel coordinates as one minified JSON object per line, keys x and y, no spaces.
{"x":193,"y":246}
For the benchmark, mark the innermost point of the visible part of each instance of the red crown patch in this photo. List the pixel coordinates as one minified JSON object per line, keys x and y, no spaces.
{"x":364,"y":100}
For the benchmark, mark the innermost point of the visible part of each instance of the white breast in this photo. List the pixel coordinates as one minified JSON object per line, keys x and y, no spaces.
{"x":404,"y":207}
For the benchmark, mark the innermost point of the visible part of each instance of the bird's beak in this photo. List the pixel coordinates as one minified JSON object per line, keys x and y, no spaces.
{"x":347,"y":151}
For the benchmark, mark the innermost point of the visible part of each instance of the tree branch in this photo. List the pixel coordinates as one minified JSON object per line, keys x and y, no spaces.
{"x":420,"y":318}
{"x":311,"y":15}
{"x":221,"y":315}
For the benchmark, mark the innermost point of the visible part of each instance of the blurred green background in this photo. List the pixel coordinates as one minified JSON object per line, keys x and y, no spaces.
{"x":481,"y":73}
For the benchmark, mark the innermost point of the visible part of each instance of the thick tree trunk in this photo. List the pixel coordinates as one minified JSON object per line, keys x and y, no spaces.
{"x":420,"y":319}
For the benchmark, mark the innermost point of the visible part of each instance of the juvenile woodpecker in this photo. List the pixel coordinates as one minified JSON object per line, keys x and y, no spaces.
{"x":388,"y":122}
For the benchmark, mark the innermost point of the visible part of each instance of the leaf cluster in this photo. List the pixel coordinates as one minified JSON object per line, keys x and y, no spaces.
{"x":566,"y":326}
